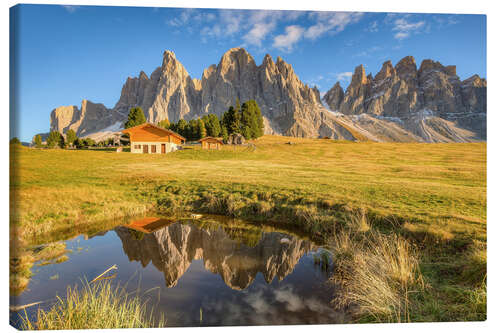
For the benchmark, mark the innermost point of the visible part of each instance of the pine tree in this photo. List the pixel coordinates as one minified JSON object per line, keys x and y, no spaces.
{"x":248,"y":121}
{"x":54,"y":139}
{"x":215,"y":125}
{"x":212,"y":125}
{"x":164,"y":124}
{"x":70,"y":137}
{"x":192,"y":130}
{"x":38,"y":140}
{"x":257,"y":126}
{"x":224,"y":134}
{"x":202,"y":131}
{"x":135,"y":117}
{"x":15,"y":141}
{"x":247,"y":133}
{"x":181,"y":128}
{"x":235,"y":121}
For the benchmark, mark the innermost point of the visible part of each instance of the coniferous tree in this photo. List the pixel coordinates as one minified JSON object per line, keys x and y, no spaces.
{"x":246,"y":132}
{"x":181,"y":128}
{"x":135,"y":117}
{"x":202,"y":131}
{"x":38,"y":140}
{"x":224,"y":134}
{"x":164,"y":124}
{"x":248,"y":121}
{"x":15,"y":141}
{"x":215,"y":129}
{"x":54,"y":139}
{"x":192,"y":130}
{"x":232,"y":120}
{"x":70,"y":137}
{"x":212,"y":125}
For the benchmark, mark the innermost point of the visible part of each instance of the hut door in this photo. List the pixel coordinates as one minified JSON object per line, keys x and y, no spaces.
{"x":145,"y":149}
{"x":163,"y":148}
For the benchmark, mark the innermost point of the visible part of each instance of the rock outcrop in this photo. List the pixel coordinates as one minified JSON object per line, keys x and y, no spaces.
{"x":87,"y":119}
{"x":173,"y":248}
{"x":430,"y":102}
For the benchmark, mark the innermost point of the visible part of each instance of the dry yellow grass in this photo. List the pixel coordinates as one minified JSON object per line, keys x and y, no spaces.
{"x":443,"y":186}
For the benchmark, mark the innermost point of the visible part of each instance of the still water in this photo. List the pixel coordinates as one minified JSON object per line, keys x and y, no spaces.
{"x":201,"y":273}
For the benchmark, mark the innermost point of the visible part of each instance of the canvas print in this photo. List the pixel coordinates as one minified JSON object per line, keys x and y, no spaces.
{"x":212,"y":167}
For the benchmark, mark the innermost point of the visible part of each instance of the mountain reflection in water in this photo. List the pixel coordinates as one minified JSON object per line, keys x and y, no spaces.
{"x":172,"y":248}
{"x":211,"y":271}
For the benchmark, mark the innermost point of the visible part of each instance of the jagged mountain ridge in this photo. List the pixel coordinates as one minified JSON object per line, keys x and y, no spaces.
{"x":291,"y":107}
{"x":173,"y":248}
{"x":430,"y":102}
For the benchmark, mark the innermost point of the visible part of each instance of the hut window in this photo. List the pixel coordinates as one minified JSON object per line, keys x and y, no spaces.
{"x":137,"y":147}
{"x":153,"y":149}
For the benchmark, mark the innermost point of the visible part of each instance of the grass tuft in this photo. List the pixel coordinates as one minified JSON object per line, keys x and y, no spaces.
{"x":376,"y":274}
{"x":93,"y":306}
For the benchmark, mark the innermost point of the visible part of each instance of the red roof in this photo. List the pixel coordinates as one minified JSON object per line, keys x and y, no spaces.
{"x":128,"y":130}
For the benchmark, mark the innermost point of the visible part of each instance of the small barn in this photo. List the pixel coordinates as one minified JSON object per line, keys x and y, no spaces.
{"x":151,"y":139}
{"x":211,"y":143}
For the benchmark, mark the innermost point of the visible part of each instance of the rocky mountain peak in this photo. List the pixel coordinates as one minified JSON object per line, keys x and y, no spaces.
{"x":236,"y":55}
{"x":474,"y":81}
{"x":407,"y":67}
{"x":428,"y":65}
{"x":451,"y":70}
{"x":334,"y":97}
{"x":207,"y":72}
{"x":386,"y":71}
{"x":359,"y":76}
{"x":171,"y":65}
{"x":268,"y":61}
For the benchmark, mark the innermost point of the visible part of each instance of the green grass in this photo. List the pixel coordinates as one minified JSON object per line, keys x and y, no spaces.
{"x":432,"y":195}
{"x":93,"y":306}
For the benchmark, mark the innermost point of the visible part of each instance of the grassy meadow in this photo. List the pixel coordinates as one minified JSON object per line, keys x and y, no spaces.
{"x":430,"y":198}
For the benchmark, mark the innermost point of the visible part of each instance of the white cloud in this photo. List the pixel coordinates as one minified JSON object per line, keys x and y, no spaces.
{"x":285,"y":42}
{"x":256,"y":27}
{"x":344,"y":76}
{"x":404,"y":28}
{"x":263,"y":23}
{"x":229,"y":22}
{"x":258,"y":33}
{"x":333,"y":22}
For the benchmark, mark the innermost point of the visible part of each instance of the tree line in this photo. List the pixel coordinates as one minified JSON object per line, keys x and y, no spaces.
{"x":56,"y":139}
{"x":245,"y":119}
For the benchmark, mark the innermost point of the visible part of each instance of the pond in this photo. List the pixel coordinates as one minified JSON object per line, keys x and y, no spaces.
{"x":206,"y":272}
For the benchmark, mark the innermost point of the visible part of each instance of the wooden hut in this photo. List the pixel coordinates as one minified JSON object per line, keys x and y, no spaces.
{"x":151,"y":139}
{"x":211,"y":143}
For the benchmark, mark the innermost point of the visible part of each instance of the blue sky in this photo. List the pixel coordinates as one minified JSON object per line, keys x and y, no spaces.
{"x":68,"y":53}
